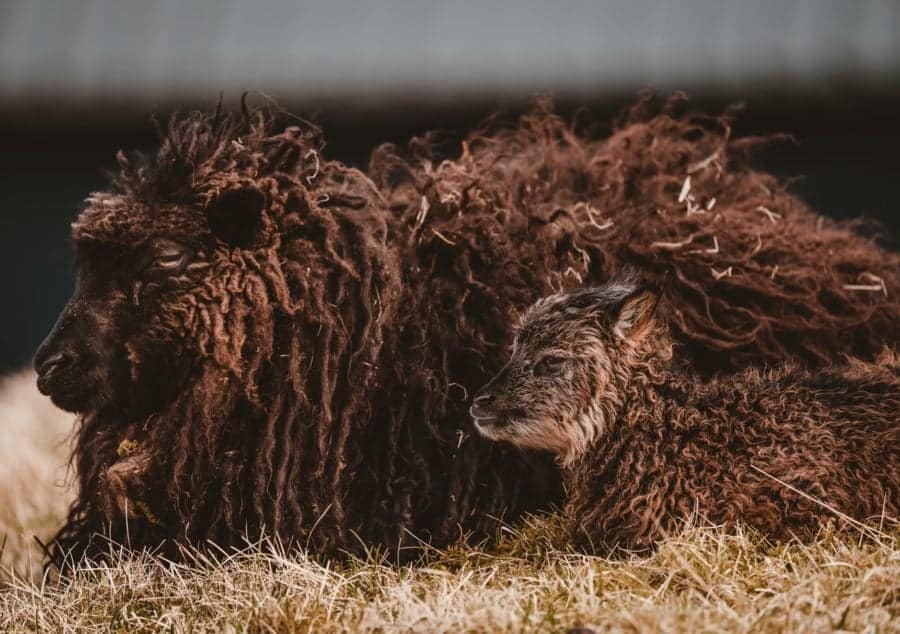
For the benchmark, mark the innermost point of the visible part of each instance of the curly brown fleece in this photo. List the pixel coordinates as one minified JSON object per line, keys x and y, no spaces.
{"x":325,"y":361}
{"x":753,"y":274}
{"x":648,"y":445}
{"x":728,"y":451}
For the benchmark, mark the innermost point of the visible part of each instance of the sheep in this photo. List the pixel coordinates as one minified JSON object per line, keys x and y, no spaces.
{"x":265,"y":342}
{"x":646,"y":444}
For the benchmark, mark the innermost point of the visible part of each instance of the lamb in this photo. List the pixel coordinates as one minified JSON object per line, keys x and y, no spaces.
{"x":264,"y":341}
{"x":646,"y":444}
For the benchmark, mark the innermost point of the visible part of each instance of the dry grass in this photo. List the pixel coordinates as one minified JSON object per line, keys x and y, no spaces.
{"x":703,"y":580}
{"x":33,"y":451}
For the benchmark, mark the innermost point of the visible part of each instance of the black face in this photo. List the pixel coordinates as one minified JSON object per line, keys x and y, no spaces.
{"x":152,"y":294}
{"x":85,"y":363}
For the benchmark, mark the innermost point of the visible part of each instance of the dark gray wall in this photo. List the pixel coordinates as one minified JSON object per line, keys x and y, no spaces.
{"x":380,"y":49}
{"x":78,"y":79}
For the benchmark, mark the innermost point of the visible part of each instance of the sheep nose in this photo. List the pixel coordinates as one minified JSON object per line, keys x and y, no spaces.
{"x":53,"y":365}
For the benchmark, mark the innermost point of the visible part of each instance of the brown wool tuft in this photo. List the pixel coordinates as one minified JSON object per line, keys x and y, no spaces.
{"x":339,"y":351}
{"x":753,"y":274}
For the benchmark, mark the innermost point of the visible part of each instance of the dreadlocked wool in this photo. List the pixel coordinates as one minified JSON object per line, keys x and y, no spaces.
{"x":324,"y":351}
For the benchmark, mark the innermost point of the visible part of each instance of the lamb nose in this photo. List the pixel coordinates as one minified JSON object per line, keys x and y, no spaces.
{"x":54,"y":364}
{"x":478,"y":406}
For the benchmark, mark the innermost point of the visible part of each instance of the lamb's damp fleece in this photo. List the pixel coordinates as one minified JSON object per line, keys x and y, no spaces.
{"x":782,"y":451}
{"x":649,"y":446}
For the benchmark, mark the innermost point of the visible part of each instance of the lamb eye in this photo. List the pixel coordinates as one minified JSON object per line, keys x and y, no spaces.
{"x":548,"y":366}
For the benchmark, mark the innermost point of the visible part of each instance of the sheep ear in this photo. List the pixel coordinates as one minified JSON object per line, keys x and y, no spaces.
{"x":235,"y":216}
{"x":635,"y":316}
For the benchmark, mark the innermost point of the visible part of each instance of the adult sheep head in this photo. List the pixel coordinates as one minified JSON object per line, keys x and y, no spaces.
{"x":179,"y":261}
{"x":140,"y":312}
{"x":210,"y":323}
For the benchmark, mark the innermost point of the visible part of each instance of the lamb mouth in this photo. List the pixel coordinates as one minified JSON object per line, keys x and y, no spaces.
{"x":489,"y":425}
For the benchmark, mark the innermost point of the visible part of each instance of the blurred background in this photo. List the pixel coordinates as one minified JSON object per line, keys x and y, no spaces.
{"x":80,"y":78}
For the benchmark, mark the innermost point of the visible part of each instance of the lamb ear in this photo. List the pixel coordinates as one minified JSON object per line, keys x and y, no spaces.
{"x":635,"y":316}
{"x":235,"y":216}
{"x":585,"y":299}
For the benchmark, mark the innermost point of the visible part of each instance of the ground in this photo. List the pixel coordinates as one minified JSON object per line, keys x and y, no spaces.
{"x":701,"y":581}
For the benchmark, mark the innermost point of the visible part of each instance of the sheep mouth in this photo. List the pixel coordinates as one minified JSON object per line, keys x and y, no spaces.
{"x":66,"y":393}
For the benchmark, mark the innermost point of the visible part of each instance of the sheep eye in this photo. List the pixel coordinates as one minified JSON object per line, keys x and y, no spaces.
{"x":170,"y":257}
{"x":548,"y":366}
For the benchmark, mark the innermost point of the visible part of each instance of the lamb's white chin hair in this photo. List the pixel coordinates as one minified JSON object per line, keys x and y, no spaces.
{"x":566,"y":439}
{"x":528,"y":434}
